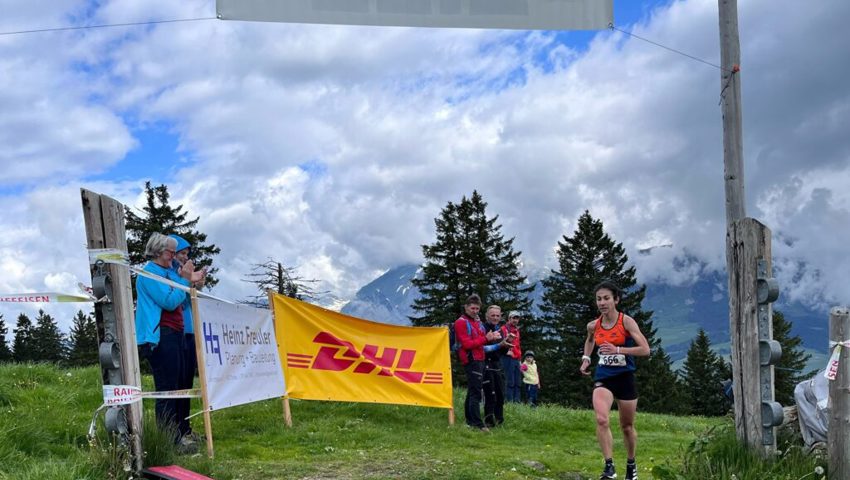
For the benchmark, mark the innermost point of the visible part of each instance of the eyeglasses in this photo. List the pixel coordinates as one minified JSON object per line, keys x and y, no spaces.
{"x":173,"y":252}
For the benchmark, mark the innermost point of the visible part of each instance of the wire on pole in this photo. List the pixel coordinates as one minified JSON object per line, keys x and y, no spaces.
{"x":106,"y":25}
{"x":732,"y":70}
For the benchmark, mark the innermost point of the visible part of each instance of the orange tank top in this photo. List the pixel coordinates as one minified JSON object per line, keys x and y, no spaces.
{"x":616,"y":335}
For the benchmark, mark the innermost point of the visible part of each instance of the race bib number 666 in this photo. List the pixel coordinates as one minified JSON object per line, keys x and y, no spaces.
{"x":618,"y":360}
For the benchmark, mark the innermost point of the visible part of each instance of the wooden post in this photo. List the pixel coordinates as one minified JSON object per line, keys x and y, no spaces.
{"x":202,"y":370}
{"x":730,"y":85}
{"x":748,"y":241}
{"x":287,"y":412}
{"x":104,"y":220}
{"x":838,"y":434}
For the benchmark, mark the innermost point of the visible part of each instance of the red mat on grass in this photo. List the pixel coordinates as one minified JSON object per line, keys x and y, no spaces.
{"x":173,"y":472}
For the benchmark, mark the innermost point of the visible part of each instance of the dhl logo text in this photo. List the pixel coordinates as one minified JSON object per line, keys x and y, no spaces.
{"x":338,"y":355}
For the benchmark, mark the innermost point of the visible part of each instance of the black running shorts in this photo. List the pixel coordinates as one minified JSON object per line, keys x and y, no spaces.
{"x":622,"y":386}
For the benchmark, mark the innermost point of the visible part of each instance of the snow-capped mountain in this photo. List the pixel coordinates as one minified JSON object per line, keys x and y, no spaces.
{"x":679,"y":311}
{"x":388,"y":298}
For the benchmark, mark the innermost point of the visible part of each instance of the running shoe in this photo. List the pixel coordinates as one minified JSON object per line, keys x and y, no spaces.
{"x":609,"y":472}
{"x":631,"y":471}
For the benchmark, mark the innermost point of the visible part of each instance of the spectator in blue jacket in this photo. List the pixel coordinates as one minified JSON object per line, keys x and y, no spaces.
{"x":159,"y":326}
{"x":190,"y":359}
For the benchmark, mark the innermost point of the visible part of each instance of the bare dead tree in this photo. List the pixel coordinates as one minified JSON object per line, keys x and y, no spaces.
{"x":273,"y":275}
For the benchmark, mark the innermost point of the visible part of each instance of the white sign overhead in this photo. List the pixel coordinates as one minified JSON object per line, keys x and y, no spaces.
{"x":239,"y":353}
{"x":512,"y":14}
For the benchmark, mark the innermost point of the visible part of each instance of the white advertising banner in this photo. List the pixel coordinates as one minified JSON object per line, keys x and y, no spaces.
{"x":240,"y":355}
{"x":512,"y":14}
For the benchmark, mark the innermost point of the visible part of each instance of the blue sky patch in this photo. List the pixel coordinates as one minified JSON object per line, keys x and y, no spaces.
{"x":314,"y":168}
{"x":155,"y":157}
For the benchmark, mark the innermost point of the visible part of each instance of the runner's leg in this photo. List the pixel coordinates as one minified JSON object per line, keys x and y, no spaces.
{"x":628,"y":409}
{"x":602,"y":401}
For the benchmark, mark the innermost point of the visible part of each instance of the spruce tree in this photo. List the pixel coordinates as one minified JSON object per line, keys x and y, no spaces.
{"x":587,"y":258}
{"x":160,"y":217}
{"x":48,"y":341}
{"x":83,"y":341}
{"x":788,"y":371}
{"x":23,"y":348}
{"x":470,"y":255}
{"x":5,"y":351}
{"x":704,"y":372}
{"x":660,"y":387}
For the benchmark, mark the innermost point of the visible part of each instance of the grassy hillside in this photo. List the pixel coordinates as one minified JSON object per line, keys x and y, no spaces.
{"x":45,"y":412}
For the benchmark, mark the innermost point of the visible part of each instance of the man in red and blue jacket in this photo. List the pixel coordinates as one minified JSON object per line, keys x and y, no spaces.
{"x":470,"y":333}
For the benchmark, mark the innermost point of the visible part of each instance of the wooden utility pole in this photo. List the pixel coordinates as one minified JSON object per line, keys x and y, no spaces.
{"x":748,"y":264}
{"x":730,"y":93}
{"x":838,"y":432}
{"x":748,"y":244}
{"x":104,"y":220}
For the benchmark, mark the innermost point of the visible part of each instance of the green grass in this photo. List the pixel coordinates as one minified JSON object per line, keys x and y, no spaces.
{"x":45,"y":412}
{"x":717,"y":454}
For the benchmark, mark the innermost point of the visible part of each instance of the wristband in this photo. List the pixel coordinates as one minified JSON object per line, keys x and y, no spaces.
{"x":585,"y":357}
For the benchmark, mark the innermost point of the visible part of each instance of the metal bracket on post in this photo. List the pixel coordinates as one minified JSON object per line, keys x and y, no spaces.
{"x":109,"y":355}
{"x":116,"y":423}
{"x":770,"y":351}
{"x":767,"y":291}
{"x":109,"y":350}
{"x":101,"y":282}
{"x":772,"y":415}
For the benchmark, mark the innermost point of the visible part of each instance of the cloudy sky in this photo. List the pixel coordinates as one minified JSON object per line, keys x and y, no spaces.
{"x":332,"y":148}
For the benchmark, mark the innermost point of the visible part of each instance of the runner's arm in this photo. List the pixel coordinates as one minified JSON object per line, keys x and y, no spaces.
{"x":642,"y":347}
{"x":588,"y":348}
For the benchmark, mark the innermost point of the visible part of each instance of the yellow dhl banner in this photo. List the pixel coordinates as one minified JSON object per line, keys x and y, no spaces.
{"x":330,"y":356}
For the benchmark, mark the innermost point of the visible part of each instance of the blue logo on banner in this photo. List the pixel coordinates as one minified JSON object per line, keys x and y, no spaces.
{"x":211,"y":342}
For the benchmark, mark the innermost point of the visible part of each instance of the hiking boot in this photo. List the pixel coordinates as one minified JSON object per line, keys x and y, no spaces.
{"x":187,"y":446}
{"x":631,"y":471}
{"x":609,"y":472}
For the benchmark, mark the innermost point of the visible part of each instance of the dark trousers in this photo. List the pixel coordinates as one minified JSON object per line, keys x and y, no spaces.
{"x":531,"y":394}
{"x":187,"y":380}
{"x":166,"y":361}
{"x":494,"y":399}
{"x":472,"y":406}
{"x":513,"y":378}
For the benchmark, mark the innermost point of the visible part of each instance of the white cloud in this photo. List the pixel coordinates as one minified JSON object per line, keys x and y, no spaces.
{"x":50,"y":128}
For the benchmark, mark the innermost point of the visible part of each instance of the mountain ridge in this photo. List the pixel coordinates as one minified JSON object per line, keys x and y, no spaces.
{"x":679,"y":311}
